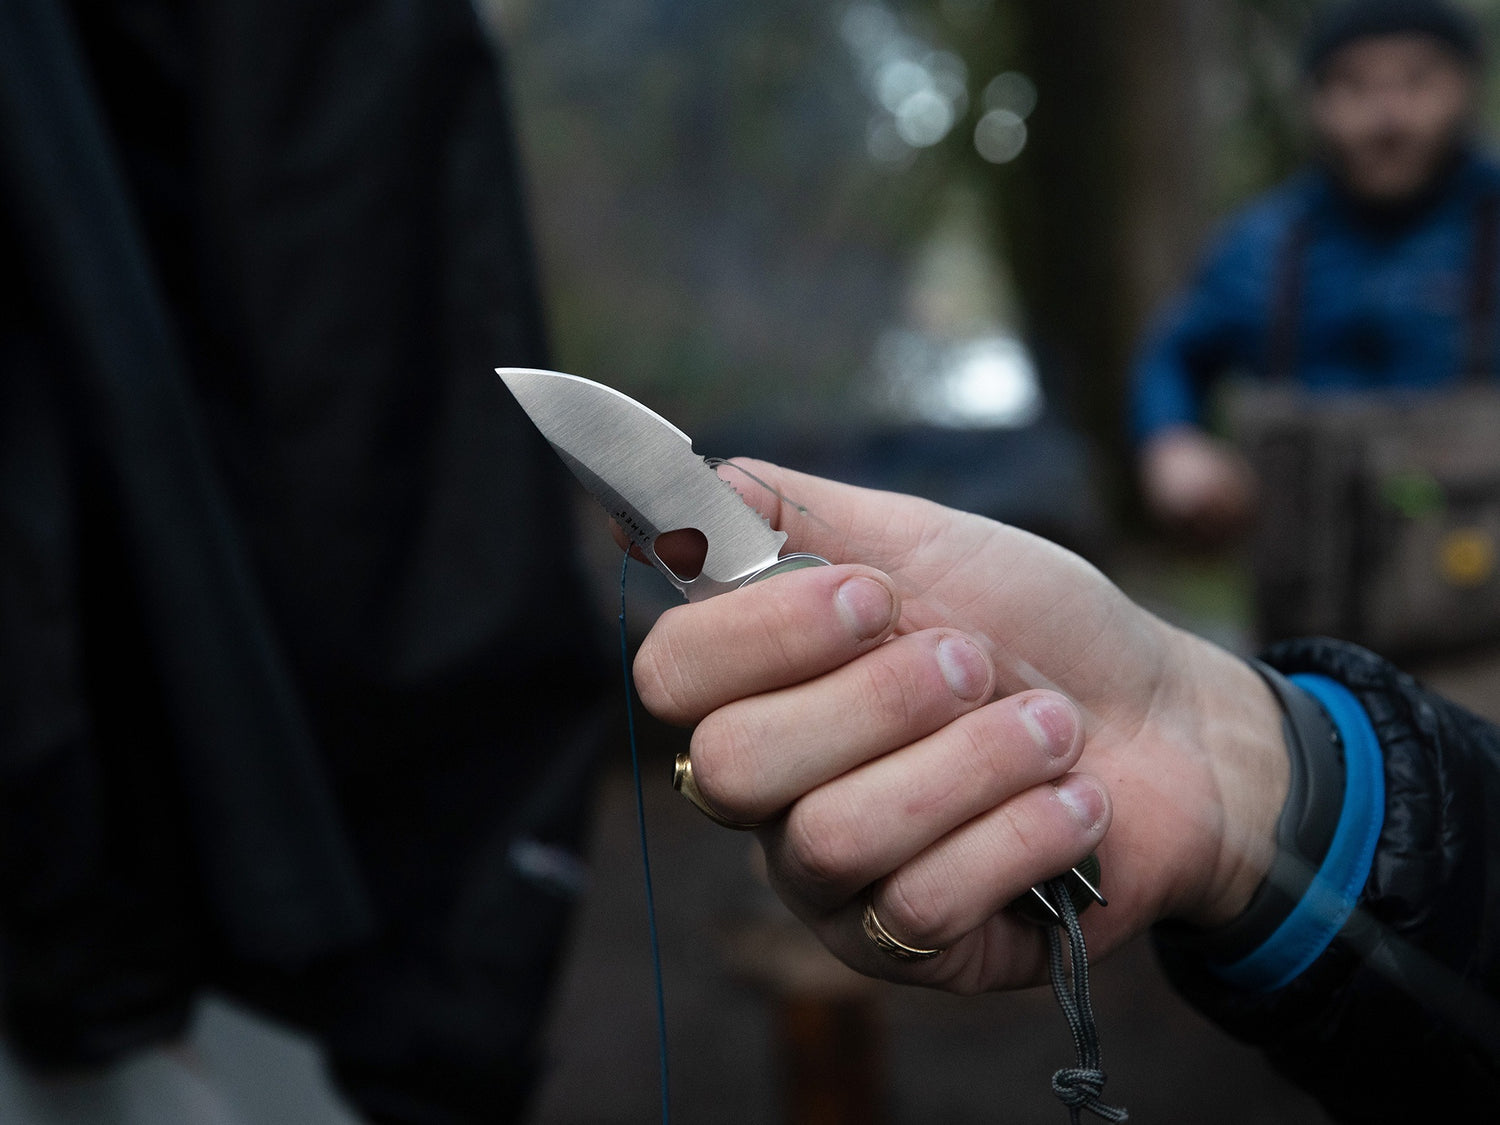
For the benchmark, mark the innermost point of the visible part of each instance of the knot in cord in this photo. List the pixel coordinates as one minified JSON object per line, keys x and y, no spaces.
{"x":1077,"y":1087}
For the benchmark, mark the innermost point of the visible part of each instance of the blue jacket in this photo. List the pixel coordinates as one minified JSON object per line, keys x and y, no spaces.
{"x":1382,"y":304}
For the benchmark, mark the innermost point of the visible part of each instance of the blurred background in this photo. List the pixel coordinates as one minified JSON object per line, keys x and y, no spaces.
{"x":911,"y":244}
{"x":904,"y":243}
{"x":912,"y":241}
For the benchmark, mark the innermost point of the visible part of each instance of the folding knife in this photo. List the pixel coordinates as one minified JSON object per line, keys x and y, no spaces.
{"x":643,"y":471}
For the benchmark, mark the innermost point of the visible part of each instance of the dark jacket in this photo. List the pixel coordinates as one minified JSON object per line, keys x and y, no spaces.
{"x":1399,"y":1019}
{"x":294,"y":667}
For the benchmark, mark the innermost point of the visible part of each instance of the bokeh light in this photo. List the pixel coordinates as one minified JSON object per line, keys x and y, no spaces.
{"x":999,"y":136}
{"x":919,"y":93}
{"x":1011,"y":90}
{"x":987,"y":382}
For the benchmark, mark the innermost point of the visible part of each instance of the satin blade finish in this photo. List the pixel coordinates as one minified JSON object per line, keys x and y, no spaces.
{"x":644,"y":472}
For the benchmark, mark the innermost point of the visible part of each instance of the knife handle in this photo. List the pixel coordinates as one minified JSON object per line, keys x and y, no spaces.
{"x":1081,"y":882}
{"x":784,"y":564}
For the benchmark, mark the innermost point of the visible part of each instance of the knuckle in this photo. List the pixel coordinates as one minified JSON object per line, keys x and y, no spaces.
{"x":828,"y":854}
{"x":986,"y":761}
{"x":890,"y":694}
{"x":715,"y":769}
{"x":979,"y":770}
{"x":1024,"y":839}
{"x":722,"y":749}
{"x":913,"y":904}
{"x":662,"y":682}
{"x":1018,"y":832}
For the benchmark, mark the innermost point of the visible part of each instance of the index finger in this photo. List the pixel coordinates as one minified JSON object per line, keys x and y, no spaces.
{"x":768,"y":635}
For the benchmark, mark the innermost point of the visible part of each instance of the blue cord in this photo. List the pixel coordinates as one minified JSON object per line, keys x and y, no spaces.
{"x":640,"y":816}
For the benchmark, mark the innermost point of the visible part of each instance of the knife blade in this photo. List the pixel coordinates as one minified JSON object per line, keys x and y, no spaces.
{"x":644,"y":472}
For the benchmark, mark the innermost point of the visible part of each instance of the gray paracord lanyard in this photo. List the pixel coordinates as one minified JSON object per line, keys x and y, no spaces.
{"x":1078,"y":1087}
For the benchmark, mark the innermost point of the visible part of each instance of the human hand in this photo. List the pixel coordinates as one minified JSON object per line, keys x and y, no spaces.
{"x":955,"y":711}
{"x":1199,"y":485}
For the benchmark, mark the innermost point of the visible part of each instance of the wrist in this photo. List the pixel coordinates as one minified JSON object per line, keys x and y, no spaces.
{"x":1303,"y":830}
{"x":1325,"y":839}
{"x":1237,"y":732}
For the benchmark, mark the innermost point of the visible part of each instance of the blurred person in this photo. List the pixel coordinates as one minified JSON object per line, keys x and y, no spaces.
{"x":297,"y":673}
{"x":957,"y":710}
{"x":1373,"y":269}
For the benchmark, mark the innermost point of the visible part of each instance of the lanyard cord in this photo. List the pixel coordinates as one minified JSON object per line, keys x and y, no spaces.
{"x":640,"y":818}
{"x":1078,"y":1087}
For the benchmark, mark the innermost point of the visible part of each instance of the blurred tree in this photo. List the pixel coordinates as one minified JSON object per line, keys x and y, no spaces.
{"x":1251,"y":105}
{"x":714,"y":234}
{"x":1102,"y":213}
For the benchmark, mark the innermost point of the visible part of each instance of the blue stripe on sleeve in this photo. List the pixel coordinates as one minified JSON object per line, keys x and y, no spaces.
{"x":1331,"y":897}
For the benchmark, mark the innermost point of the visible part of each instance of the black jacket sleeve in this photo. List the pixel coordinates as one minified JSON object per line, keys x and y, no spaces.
{"x":1399,"y":1016}
{"x":298,"y":668}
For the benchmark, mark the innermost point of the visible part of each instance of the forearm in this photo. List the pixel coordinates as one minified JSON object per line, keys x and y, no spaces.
{"x":1403,"y":991}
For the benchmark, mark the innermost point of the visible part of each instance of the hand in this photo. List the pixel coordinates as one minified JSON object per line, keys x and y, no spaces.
{"x":955,"y":711}
{"x":1199,"y":485}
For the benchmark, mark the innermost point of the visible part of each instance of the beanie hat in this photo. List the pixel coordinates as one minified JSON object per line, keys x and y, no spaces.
{"x":1347,"y":22}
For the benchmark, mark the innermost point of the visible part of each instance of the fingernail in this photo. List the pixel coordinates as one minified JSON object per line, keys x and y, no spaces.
{"x":964,"y":667}
{"x":1083,"y":798}
{"x":1053,"y":723}
{"x":865,"y":606}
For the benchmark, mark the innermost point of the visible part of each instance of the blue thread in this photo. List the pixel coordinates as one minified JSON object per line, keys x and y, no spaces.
{"x":1335,"y":889}
{"x":640,"y":818}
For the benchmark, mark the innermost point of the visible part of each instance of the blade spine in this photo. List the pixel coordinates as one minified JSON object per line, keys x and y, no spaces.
{"x":615,"y":498}
{"x":638,"y":405}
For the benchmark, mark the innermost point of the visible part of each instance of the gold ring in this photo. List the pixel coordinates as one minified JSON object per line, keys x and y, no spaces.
{"x":889,"y":945}
{"x":682,"y":781}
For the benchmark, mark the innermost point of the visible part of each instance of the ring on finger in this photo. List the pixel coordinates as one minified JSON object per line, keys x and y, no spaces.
{"x":889,"y":945}
{"x":682,"y":781}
